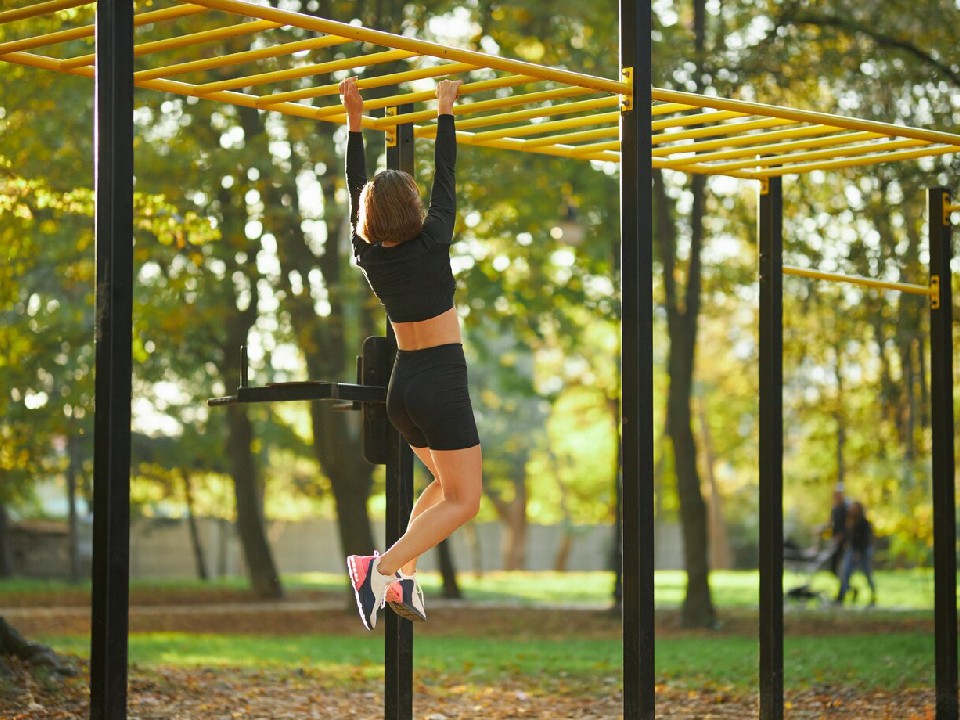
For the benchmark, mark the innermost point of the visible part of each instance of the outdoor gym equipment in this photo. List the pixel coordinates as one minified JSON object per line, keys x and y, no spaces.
{"x":624,"y":121}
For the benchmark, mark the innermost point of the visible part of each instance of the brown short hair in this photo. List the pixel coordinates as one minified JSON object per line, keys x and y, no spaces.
{"x":390,"y":208}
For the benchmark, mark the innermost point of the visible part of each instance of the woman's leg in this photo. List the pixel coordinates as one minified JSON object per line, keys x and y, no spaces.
{"x":459,"y":473}
{"x":430,"y":496}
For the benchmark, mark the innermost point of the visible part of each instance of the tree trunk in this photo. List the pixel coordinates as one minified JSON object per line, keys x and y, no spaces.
{"x":513,"y":515}
{"x":13,"y":644}
{"x":448,"y":572}
{"x":262,"y":571}
{"x":698,"y":610}
{"x":720,"y":555}
{"x":6,"y":551}
{"x":195,"y":543}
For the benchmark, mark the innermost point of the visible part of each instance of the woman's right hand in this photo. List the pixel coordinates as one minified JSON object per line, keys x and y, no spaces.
{"x":446,"y":93}
{"x":352,"y":102}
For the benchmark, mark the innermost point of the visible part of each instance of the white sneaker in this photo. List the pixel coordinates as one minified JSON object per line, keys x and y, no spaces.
{"x":369,"y":586}
{"x":405,"y":598}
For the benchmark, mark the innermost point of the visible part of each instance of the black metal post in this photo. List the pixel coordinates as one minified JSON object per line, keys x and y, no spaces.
{"x":398,"y":643}
{"x":943,"y":458}
{"x":114,"y":362}
{"x":770,"y":237}
{"x":636,"y":228}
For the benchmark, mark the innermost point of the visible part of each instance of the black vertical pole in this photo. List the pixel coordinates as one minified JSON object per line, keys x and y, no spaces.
{"x":114,"y":364}
{"x":398,"y":642}
{"x":770,"y":232}
{"x":944,"y":461}
{"x":636,"y":229}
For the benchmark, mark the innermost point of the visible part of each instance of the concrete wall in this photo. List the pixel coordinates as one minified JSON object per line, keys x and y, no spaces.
{"x":160,"y":548}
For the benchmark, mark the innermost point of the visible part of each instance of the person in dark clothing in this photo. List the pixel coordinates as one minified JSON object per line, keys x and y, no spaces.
{"x":405,"y":255}
{"x":838,"y":529}
{"x":858,"y":551}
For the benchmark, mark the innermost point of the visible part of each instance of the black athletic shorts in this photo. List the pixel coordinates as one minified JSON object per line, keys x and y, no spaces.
{"x":428,"y":401}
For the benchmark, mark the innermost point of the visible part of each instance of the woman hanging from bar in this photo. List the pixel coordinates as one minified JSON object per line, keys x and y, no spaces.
{"x":405,"y":255}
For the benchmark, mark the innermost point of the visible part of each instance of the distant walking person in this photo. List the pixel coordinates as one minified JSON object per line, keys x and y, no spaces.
{"x":858,"y":553}
{"x":405,"y":255}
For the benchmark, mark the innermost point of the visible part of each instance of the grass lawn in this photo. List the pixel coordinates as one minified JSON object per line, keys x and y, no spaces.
{"x":547,"y":641}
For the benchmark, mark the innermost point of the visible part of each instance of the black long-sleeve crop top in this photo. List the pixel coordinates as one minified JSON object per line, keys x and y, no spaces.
{"x":413,"y":280}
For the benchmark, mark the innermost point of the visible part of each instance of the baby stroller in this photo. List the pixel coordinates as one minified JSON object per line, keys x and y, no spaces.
{"x":808,"y":562}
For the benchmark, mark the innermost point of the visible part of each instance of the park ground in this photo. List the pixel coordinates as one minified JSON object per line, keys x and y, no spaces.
{"x":215,"y":691}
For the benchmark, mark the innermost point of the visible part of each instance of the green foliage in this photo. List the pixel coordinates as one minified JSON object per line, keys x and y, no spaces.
{"x":215,"y":209}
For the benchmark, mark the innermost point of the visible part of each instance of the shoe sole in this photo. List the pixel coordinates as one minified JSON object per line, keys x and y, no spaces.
{"x":407,"y":612}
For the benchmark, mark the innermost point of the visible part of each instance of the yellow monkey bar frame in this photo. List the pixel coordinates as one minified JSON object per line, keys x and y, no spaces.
{"x":297,"y":59}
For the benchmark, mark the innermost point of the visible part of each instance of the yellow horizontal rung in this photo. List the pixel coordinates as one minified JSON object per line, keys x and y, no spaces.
{"x":670,"y":108}
{"x":858,"y":280}
{"x":417,"y":47}
{"x":774,"y":152}
{"x":390,"y":79}
{"x":870,"y":159}
{"x":748,"y":139}
{"x":513,"y":144}
{"x":542,"y":111}
{"x":473,"y":108}
{"x":805,"y":116}
{"x":306,"y":71}
{"x":591,"y":148}
{"x":552,"y":126}
{"x":239,"y":58}
{"x":698,"y":118}
{"x":726,"y":129}
{"x":247,"y":28}
{"x":802,"y":157}
{"x":577,"y":137}
{"x":426,"y":95}
{"x":41,"y":9}
{"x":90,"y":30}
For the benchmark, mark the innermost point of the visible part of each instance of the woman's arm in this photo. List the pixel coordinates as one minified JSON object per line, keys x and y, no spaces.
{"x":356,"y":164}
{"x":442,"y":212}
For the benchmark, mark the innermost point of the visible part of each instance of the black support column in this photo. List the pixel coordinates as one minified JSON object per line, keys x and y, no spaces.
{"x":114,"y":331}
{"x":636,"y":269}
{"x":943,"y":458}
{"x":770,"y":238}
{"x":398,"y":643}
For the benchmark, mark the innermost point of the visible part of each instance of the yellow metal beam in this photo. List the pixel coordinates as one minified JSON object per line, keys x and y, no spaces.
{"x":88,"y":31}
{"x":543,"y":111}
{"x":306,"y":71}
{"x":414,"y":46}
{"x":807,"y":116}
{"x":240,"y":58}
{"x":781,"y":153}
{"x":206,"y":36}
{"x":751,"y":139}
{"x":381,"y":80}
{"x":575,"y":137}
{"x":551,"y":126}
{"x":869,"y":159}
{"x":725,"y":129}
{"x":41,"y":8}
{"x":859,"y":280}
{"x":698,"y":118}
{"x":504,"y":81}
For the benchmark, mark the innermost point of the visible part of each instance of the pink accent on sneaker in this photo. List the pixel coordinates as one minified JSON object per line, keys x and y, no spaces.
{"x":394,"y":593}
{"x":359,"y":566}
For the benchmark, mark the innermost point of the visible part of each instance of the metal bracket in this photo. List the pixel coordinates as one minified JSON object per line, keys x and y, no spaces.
{"x":935,"y":292}
{"x":947,"y":209}
{"x":390,"y":131}
{"x":626,"y":100}
{"x":764,"y":185}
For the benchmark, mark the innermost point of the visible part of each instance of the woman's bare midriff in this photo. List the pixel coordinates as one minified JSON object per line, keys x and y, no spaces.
{"x":442,"y":329}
